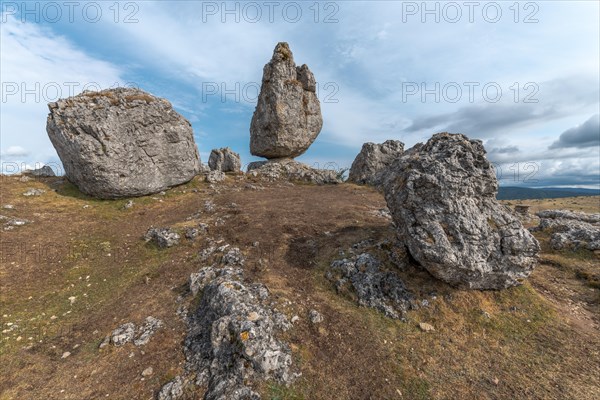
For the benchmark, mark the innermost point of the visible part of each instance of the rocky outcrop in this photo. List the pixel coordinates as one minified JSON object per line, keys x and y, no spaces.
{"x":122,"y":142}
{"x":224,"y":160}
{"x":128,"y":333}
{"x":162,"y":237}
{"x":372,"y":286}
{"x":231,"y":341}
{"x":291,"y":170}
{"x":566,"y":214}
{"x":369,"y":165}
{"x":43,"y":172}
{"x":288,"y":117}
{"x":442,"y":197}
{"x":570,"y":230}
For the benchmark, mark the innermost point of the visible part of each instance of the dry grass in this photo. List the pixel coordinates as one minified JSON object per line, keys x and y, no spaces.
{"x":537,"y":341}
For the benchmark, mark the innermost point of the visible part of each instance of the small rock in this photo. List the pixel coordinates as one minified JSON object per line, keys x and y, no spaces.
{"x":148,"y":371}
{"x":129,"y":204}
{"x":66,"y":354}
{"x":425,"y":327}
{"x":123,"y":334}
{"x":315,"y":317}
{"x":163,"y":237}
{"x":34,"y":192}
{"x":295,"y":318}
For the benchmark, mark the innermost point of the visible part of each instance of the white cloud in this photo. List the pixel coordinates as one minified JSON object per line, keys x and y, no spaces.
{"x":38,"y":67}
{"x":14,"y":151}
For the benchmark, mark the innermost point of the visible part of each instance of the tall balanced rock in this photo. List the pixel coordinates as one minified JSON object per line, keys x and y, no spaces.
{"x":442,"y":196}
{"x":287,"y":119}
{"x":369,"y":165}
{"x":122,"y":142}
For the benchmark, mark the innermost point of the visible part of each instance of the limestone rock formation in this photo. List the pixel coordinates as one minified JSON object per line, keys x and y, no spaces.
{"x":570,"y":230}
{"x":288,"y":117}
{"x":369,"y":165}
{"x":162,"y":237}
{"x":373,"y":286}
{"x":442,"y":196}
{"x":122,"y":142}
{"x":232,"y":339}
{"x":291,"y":170}
{"x":43,"y":172}
{"x":224,"y":160}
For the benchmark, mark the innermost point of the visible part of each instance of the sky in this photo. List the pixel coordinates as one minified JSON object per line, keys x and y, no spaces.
{"x":521,"y":76}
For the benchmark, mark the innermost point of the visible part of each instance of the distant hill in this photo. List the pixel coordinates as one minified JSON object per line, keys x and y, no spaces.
{"x":519,"y":193}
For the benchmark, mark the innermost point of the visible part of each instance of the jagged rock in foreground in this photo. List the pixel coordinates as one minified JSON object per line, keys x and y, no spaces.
{"x":122,"y":142}
{"x":373,"y":286}
{"x":291,"y":170}
{"x":224,"y":160}
{"x":570,"y":230}
{"x":369,"y":165}
{"x":442,"y":197}
{"x":231,"y":340}
{"x":287,"y":119}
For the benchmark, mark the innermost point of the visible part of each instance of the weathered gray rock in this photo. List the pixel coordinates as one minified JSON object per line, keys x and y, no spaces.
{"x":315,"y":317}
{"x":373,"y":286}
{"x":231,"y":340}
{"x":172,"y":390}
{"x":128,"y":333}
{"x":34,"y":192}
{"x":215,"y":176}
{"x":442,"y":196}
{"x":43,"y":172}
{"x":570,"y":230}
{"x":566,"y":214}
{"x":122,"y":142}
{"x":290,"y":170}
{"x":147,"y":330}
{"x":370,"y":164}
{"x":123,"y":334}
{"x":224,"y":160}
{"x":162,"y":237}
{"x":287,"y":119}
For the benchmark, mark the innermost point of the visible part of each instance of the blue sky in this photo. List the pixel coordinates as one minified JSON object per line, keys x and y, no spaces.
{"x":386,"y":70}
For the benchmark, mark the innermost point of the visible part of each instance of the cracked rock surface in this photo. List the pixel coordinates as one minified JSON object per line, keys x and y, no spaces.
{"x":231,"y":340}
{"x":122,"y":142}
{"x":287,"y":119}
{"x":368,"y":168}
{"x":442,"y":197}
{"x":571,"y":230}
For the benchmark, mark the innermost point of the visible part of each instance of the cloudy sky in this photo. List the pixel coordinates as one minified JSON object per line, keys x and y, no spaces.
{"x":523,"y":78}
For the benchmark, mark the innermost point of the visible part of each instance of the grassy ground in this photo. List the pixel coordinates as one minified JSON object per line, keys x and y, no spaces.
{"x":537,"y":341}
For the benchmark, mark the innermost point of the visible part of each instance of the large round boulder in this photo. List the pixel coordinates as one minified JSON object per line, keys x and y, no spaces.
{"x":122,"y":142}
{"x":288,"y":117}
{"x":369,"y":165}
{"x":442,"y":196}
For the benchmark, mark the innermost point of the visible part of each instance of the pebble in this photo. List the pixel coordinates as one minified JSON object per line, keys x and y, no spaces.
{"x":148,"y":371}
{"x":425,"y":327}
{"x":66,"y":354}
